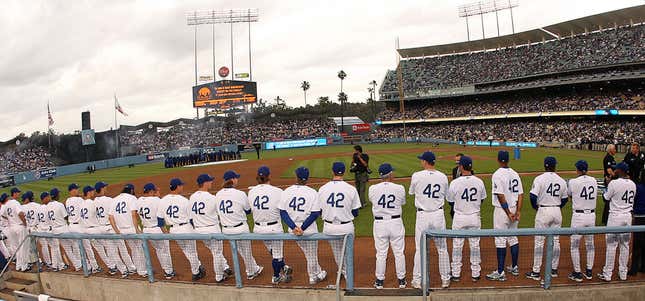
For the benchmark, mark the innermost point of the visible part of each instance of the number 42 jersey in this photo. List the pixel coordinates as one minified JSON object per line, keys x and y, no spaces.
{"x":387,"y":199}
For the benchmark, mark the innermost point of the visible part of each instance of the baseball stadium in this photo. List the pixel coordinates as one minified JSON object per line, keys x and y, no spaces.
{"x":507,"y":167}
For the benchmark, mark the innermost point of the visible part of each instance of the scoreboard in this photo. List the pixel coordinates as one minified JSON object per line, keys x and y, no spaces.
{"x":224,"y":93}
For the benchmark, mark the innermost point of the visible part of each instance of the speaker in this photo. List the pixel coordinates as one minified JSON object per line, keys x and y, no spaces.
{"x":85,"y":120}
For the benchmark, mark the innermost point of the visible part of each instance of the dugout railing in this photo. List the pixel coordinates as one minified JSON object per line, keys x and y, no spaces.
{"x":548,"y":233}
{"x":347,"y":241}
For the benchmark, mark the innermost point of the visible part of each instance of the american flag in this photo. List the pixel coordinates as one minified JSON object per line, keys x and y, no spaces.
{"x":118,"y":107}
{"x":49,"y":116}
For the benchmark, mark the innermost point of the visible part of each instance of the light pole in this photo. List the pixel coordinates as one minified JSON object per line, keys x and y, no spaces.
{"x":372,"y":90}
{"x":342,"y":97}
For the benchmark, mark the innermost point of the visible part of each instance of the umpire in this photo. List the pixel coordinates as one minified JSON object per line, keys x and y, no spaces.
{"x":608,"y":164}
{"x":360,"y":168}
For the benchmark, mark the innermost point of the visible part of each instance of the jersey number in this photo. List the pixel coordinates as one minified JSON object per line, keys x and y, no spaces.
{"x":469,"y":195}
{"x":225,"y":206}
{"x":336,"y":200}
{"x":84,"y":213}
{"x":30,"y":214}
{"x":588,"y":193}
{"x":51,"y":215}
{"x":198,"y":208}
{"x":386,"y":201}
{"x":260,"y":202}
{"x":41,"y":217}
{"x":70,"y":211}
{"x":553,"y":189}
{"x":172,"y":211}
{"x":628,"y":197}
{"x":513,"y":185}
{"x":297,"y":203}
{"x":432,"y":191}
{"x":120,"y":208}
{"x":9,"y":212}
{"x":99,"y":212}
{"x":144,"y":212}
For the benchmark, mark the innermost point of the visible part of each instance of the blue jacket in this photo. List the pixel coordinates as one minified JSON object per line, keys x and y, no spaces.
{"x":639,"y":203}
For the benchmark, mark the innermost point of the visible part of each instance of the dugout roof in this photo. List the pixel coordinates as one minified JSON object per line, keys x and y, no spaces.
{"x":621,"y":17}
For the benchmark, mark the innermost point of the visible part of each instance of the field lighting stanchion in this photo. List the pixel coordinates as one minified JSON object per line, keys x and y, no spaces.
{"x":81,"y":248}
{"x":236,"y":264}
{"x":547,"y":265}
{"x":146,"y":252}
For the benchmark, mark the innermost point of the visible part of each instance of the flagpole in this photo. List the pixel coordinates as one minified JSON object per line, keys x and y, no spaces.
{"x":49,"y":127}
{"x":116,"y":131}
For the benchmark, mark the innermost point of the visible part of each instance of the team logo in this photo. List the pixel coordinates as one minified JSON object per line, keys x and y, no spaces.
{"x":223,"y":72}
{"x":204,"y":93}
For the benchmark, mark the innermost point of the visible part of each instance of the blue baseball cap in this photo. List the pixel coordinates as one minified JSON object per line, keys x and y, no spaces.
{"x":550,"y":161}
{"x":100,"y":185}
{"x":338,"y":168}
{"x":3,"y":197}
{"x":174,"y":183}
{"x":466,"y":161}
{"x":149,"y":187}
{"x":203,"y":178}
{"x":129,"y":186}
{"x":54,"y":192}
{"x":72,"y":187}
{"x":582,"y":165}
{"x":44,"y":195}
{"x":385,"y":169}
{"x":622,"y":166}
{"x":87,"y":189}
{"x":15,"y":190}
{"x":302,"y":173}
{"x":503,"y":156}
{"x":28,"y":195}
{"x":230,"y":174}
{"x":428,"y":157}
{"x":264,"y":171}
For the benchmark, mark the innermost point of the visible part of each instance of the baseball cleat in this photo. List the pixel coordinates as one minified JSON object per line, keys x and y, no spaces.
{"x":125,"y":275}
{"x":515,"y":271}
{"x":97,"y":270}
{"x":588,"y":274}
{"x":416,"y":284}
{"x":277,"y":279}
{"x":113,"y":271}
{"x":256,"y":274}
{"x":533,"y":275}
{"x":318,"y":278}
{"x":228,"y":273}
{"x":602,"y":277}
{"x":476,"y":278}
{"x":402,"y":283}
{"x":554,"y":273}
{"x":378,"y":284}
{"x":445,"y":283}
{"x":200,"y":274}
{"x":455,"y":278}
{"x":576,"y":276}
{"x":622,"y":277}
{"x":169,"y":276}
{"x":496,"y":276}
{"x":287,"y":274}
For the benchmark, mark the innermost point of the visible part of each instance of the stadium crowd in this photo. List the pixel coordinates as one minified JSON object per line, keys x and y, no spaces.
{"x":622,"y":45}
{"x":24,"y":159}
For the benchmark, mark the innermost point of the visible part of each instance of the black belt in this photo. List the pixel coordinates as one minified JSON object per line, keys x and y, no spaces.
{"x":583,"y":211}
{"x":178,"y":224}
{"x":75,"y":223}
{"x":266,"y":224}
{"x":342,"y":223}
{"x":419,"y":209}
{"x":205,"y":226}
{"x":378,"y":218}
{"x":234,"y":226}
{"x":547,"y":206}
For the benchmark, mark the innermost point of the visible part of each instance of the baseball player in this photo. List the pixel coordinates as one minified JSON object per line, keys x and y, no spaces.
{"x":43,"y":226}
{"x":429,"y":187}
{"x":548,"y":194}
{"x":174,"y":209}
{"x":121,"y":216}
{"x":233,"y":208}
{"x":13,"y":213}
{"x":90,"y":224}
{"x":4,"y":226}
{"x":73,"y":205}
{"x":103,"y":204}
{"x":56,"y":215}
{"x":583,"y":191}
{"x":387,"y":199}
{"x":339,"y":202}
{"x":507,"y":193}
{"x":148,"y":207}
{"x":264,"y":200}
{"x":204,"y":215}
{"x":299,"y":210}
{"x":620,"y":194}
{"x":465,"y":195}
{"x":31,"y":209}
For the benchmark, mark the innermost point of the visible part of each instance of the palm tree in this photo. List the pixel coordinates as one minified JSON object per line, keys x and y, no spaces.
{"x":305,"y":86}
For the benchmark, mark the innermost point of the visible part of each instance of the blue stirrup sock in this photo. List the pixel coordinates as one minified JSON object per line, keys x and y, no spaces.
{"x":501,"y":257}
{"x":277,"y":264}
{"x":515,"y":253}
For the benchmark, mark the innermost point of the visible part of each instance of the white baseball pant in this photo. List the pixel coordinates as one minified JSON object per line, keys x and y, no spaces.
{"x":582,"y":220}
{"x":431,"y":220}
{"x":189,"y":247}
{"x":310,"y":249}
{"x":122,"y":254}
{"x":18,"y":233}
{"x":466,"y":222}
{"x":501,"y":221}
{"x":275,"y":247}
{"x":44,"y":250}
{"x":217,"y":248}
{"x":54,"y":243}
{"x":90,"y":259}
{"x":389,"y":232}
{"x":615,"y":239}
{"x":104,"y":247}
{"x":244,"y":248}
{"x":337,"y":244}
{"x":4,"y":250}
{"x":138,"y":259}
{"x":162,"y":249}
{"x":547,"y":217}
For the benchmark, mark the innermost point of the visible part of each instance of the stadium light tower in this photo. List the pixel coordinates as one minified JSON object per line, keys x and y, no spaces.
{"x":480,"y":8}
{"x":342,"y":97}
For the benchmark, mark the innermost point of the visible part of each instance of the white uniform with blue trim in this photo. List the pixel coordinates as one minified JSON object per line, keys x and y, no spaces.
{"x":204,"y":215}
{"x":507,"y":182}
{"x":387,"y":200}
{"x":17,"y":231}
{"x":44,"y":227}
{"x":73,"y":207}
{"x":621,"y":194}
{"x":31,"y":215}
{"x":583,"y":191}
{"x":120,"y":258}
{"x":147,"y":208}
{"x":121,"y":211}
{"x":265,"y":202}
{"x":175,"y":210}
{"x":90,"y":224}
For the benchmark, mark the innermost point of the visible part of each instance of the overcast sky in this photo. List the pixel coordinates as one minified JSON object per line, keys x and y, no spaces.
{"x":77,"y":54}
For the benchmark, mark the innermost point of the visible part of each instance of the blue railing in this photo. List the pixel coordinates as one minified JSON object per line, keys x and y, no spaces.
{"x":549,"y":233}
{"x":231,"y":238}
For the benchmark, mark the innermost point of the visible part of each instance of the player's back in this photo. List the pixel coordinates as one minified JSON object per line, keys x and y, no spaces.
{"x":103,"y":205}
{"x":467,"y":194}
{"x":203,"y":209}
{"x":429,"y":188}
{"x":265,"y":203}
{"x":337,"y":200}
{"x":11,"y":212}
{"x":550,"y":189}
{"x":56,"y":213}
{"x":31,"y":210}
{"x":299,"y":201}
{"x":121,"y":210}
{"x":232,"y":206}
{"x":73,"y":207}
{"x":147,"y":207}
{"x":621,"y":192}
{"x":175,"y":209}
{"x":387,"y":199}
{"x":583,"y":191}
{"x":506,"y":181}
{"x":88,"y":217}
{"x":42,"y":215}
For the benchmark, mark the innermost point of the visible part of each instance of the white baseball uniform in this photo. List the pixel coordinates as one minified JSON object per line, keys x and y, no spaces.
{"x":264,"y":200}
{"x":121,"y":210}
{"x":583,"y":191}
{"x":149,"y":208}
{"x":387,"y":200}
{"x":16,"y":233}
{"x":4,"y":226}
{"x":56,"y":215}
{"x":90,"y":224}
{"x":299,"y":201}
{"x":73,"y":206}
{"x":620,"y":193}
{"x":44,"y":226}
{"x":550,"y":189}
{"x":429,"y":189}
{"x":507,"y":182}
{"x":204,"y":215}
{"x":337,"y":200}
{"x":232,"y":205}
{"x":467,"y":194}
{"x":122,"y":262}
{"x":175,"y":210}
{"x":31,"y":215}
